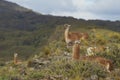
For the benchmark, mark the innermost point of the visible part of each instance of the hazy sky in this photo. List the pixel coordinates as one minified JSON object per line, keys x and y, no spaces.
{"x":86,"y":9}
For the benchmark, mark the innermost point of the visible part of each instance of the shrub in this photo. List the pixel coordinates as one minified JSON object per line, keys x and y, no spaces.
{"x":73,"y":69}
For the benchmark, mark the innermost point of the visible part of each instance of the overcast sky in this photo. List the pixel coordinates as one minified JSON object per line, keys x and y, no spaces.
{"x":86,"y":9}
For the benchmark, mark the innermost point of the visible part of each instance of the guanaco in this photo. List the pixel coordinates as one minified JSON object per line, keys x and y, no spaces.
{"x":101,"y":60}
{"x":70,"y":37}
{"x":16,"y":61}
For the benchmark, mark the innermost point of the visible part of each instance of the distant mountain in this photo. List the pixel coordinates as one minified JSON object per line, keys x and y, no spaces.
{"x":17,"y":17}
{"x":25,"y":31}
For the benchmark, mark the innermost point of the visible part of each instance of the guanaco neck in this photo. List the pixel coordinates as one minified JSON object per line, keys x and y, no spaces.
{"x":76,"y":50}
{"x":66,"y":33}
{"x":15,"y":58}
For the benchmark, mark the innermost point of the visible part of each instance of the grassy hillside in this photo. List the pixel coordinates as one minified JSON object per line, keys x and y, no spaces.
{"x":42,"y":53}
{"x":27,"y":32}
{"x":52,"y":62}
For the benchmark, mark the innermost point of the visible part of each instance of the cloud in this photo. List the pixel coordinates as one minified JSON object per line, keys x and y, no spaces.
{"x":47,"y":6}
{"x":94,"y":9}
{"x":106,"y":7}
{"x":87,"y":9}
{"x":78,"y":14}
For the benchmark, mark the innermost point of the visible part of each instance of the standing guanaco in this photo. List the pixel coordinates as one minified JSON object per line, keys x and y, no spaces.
{"x":70,"y":37}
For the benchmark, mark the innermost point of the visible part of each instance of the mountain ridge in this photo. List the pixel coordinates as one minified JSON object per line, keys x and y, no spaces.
{"x":26,"y":17}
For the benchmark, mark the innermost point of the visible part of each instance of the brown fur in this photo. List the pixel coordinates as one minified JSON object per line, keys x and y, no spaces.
{"x":103,"y":61}
{"x":76,"y":51}
{"x":74,"y":36}
{"x":85,"y":35}
{"x":70,"y":37}
{"x":15,"y":60}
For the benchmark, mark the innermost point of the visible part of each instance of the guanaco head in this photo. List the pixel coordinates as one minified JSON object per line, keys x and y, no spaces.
{"x":67,"y":26}
{"x":15,"y":54}
{"x":77,"y":42}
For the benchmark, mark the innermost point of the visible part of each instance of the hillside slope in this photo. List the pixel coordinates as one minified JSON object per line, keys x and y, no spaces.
{"x":26,"y":32}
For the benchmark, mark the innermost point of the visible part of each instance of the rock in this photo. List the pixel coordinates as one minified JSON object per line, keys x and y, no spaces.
{"x":38,"y":63}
